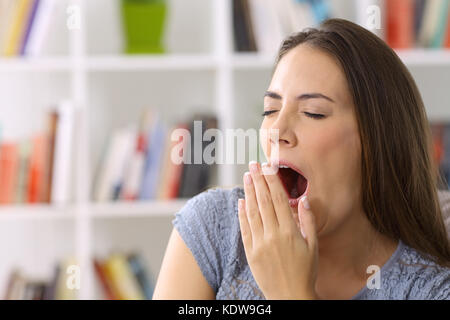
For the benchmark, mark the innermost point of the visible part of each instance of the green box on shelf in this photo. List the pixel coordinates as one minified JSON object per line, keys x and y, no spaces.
{"x":143,"y":22}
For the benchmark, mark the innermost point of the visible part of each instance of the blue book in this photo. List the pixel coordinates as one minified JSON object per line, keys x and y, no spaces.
{"x":153,"y":160}
{"x":138,"y":268}
{"x":439,"y":36}
{"x":419,"y":9}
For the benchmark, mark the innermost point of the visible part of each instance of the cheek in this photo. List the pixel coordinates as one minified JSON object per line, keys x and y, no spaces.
{"x":335,"y":147}
{"x":264,"y":139}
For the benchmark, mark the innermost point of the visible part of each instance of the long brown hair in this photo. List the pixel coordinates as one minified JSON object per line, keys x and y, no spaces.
{"x":399,"y":175}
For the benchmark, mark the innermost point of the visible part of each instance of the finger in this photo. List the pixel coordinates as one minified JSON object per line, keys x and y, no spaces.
{"x":307,"y":223}
{"x":280,"y":199}
{"x":246,"y":233}
{"x":265,"y":204}
{"x":251,"y":208}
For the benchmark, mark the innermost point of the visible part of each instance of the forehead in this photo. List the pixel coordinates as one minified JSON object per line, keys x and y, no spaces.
{"x":306,"y":69}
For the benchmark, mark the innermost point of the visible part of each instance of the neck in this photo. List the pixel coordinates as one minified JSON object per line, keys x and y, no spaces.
{"x":355,"y":245}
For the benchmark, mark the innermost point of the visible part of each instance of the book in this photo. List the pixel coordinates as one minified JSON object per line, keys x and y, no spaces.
{"x":447,"y":36}
{"x":28,"y":25}
{"x":137,"y":267}
{"x":243,"y":40}
{"x":16,"y":285}
{"x":125,"y":285}
{"x":36,"y":168}
{"x":6,"y":18}
{"x":49,"y":157}
{"x":400,"y":23}
{"x":438,"y":38}
{"x":22,"y":174}
{"x":153,"y":159}
{"x":8,"y":171}
{"x":196,"y":173}
{"x":17,"y":27}
{"x":430,"y":22}
{"x":65,"y":285}
{"x":62,"y":153}
{"x":135,"y":167}
{"x":51,"y":288}
{"x":41,"y":26}
{"x":105,"y":281}
{"x":174,"y":169}
{"x":419,"y":11}
{"x":111,"y":174}
{"x":268,"y":31}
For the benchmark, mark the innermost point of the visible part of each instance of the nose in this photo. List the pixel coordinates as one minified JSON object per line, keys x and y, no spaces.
{"x":282,"y":132}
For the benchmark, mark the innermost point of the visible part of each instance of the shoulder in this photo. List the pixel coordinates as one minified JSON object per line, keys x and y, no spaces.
{"x":415,"y":276}
{"x":209,"y":225}
{"x":215,"y":204}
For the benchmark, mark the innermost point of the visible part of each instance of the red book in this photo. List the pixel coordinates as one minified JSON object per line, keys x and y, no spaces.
{"x":9,"y":161}
{"x":400,"y":23}
{"x":36,"y":168}
{"x":175,"y":170}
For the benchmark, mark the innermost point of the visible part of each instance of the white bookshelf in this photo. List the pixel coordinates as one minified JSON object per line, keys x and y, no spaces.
{"x":111,"y":89}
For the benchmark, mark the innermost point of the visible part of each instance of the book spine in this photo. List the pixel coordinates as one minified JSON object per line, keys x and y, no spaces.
{"x":41,"y":27}
{"x":49,"y":157}
{"x":29,"y":25}
{"x":36,"y":168}
{"x":442,"y":20}
{"x":104,"y":279}
{"x":400,"y":23}
{"x":138,"y":270}
{"x":8,"y":172}
{"x":17,"y":28}
{"x":447,"y":36}
{"x":24,"y":160}
{"x":60,"y":191}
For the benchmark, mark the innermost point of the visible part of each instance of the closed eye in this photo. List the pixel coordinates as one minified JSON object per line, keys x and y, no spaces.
{"x":268,"y":113}
{"x":314,"y":115}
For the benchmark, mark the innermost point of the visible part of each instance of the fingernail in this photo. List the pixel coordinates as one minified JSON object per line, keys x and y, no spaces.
{"x":305,"y":202}
{"x":253,"y":166}
{"x":266,"y":169}
{"x":247,"y":178}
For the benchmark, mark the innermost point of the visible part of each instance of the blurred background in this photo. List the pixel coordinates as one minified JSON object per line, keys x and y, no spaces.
{"x":90,"y":92}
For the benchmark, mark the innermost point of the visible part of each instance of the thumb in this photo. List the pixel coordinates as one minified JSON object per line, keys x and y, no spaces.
{"x":307,"y":222}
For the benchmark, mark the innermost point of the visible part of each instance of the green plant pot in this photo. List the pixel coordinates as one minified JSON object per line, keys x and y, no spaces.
{"x":143,"y":23}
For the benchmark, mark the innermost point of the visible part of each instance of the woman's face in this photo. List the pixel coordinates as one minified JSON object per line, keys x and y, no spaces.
{"x":325,"y":148}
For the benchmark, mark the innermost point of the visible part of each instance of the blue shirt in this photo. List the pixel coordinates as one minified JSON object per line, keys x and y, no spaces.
{"x":209,"y":225}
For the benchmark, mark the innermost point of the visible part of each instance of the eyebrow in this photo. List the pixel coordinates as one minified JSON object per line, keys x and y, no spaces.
{"x":304,"y":96}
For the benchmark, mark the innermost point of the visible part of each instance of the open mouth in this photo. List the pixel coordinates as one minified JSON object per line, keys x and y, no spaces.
{"x":294,"y":183}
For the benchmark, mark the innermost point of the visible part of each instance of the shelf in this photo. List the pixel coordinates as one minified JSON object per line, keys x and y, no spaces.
{"x":245,"y":61}
{"x":151,"y":62}
{"x":425,"y":57}
{"x":137,"y":209}
{"x":411,"y":57}
{"x":15,"y":64}
{"x":121,"y":209}
{"x":193,"y":62}
{"x":38,"y":211}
